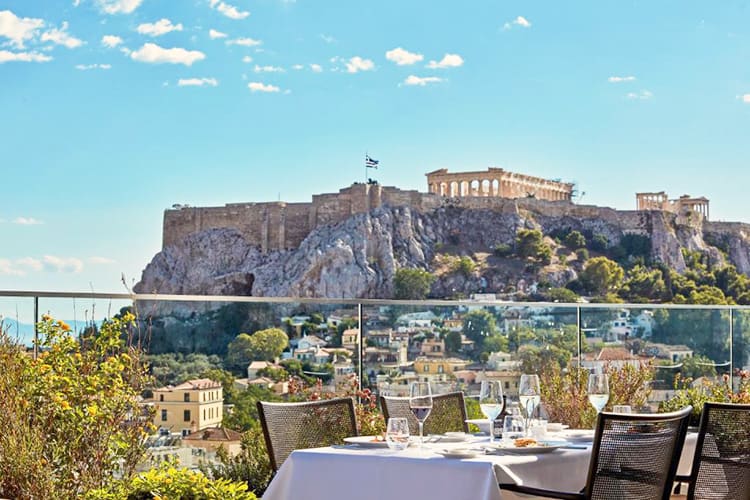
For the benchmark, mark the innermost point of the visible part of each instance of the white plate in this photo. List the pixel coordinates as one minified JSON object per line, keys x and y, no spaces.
{"x":544,"y":447}
{"x":579,"y":435}
{"x":366,"y":441}
{"x":458,"y":453}
{"x":448,"y":437}
{"x":556,"y":427}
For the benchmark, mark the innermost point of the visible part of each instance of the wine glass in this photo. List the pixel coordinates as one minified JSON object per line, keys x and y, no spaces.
{"x":598,"y":390}
{"x":491,"y":402}
{"x":420,"y":402}
{"x":397,"y":433}
{"x":529,"y":395}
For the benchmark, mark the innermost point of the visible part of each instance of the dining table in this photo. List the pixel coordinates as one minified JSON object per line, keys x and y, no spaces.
{"x":371,"y":471}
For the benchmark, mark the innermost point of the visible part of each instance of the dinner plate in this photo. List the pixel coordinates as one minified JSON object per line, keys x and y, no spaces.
{"x":543,"y":447}
{"x":579,"y":435}
{"x":366,"y":441}
{"x":449,"y":437}
{"x":458,"y":453}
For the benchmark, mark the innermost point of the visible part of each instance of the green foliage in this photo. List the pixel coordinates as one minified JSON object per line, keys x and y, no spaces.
{"x":602,"y":275}
{"x":644,"y":285}
{"x":465,"y":265}
{"x":452,"y":342}
{"x":245,"y":413}
{"x":175,"y":368}
{"x":575,"y":240}
{"x":251,"y":466}
{"x":692,"y":368}
{"x":632,"y":247}
{"x":530,"y":245}
{"x":495,"y":343}
{"x":63,"y":415}
{"x":169,"y":481}
{"x":561,"y":295}
{"x":263,"y":345}
{"x":412,"y":284}
{"x":582,"y":255}
{"x":502,"y":250}
{"x":478,"y":325}
{"x":599,"y":243}
{"x":688,"y":393}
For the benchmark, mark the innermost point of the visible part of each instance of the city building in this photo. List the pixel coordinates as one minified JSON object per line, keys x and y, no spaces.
{"x":189,"y":407}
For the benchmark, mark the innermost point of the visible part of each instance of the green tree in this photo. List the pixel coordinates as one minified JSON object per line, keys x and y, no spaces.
{"x":495,"y":343}
{"x":644,"y":283}
{"x":599,"y":243}
{"x":453,"y":341}
{"x":602,"y":275}
{"x":412,"y":284}
{"x":478,"y":325}
{"x":562,"y":295}
{"x":263,"y":345}
{"x":575,"y":240}
{"x":530,"y":244}
{"x":66,"y":416}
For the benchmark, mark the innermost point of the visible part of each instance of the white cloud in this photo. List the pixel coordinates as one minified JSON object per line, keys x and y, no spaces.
{"x":403,"y":57}
{"x":18,"y":29}
{"x":159,"y":28}
{"x":197,"y":82}
{"x":154,"y":54}
{"x":268,"y":69}
{"x":76,"y":3}
{"x":111,"y":41}
{"x":357,"y":64}
{"x":228,"y":10}
{"x":448,"y":61}
{"x":245,"y":42}
{"x":421,"y":80}
{"x":327,"y":38}
{"x":84,"y":67}
{"x":642,"y":95}
{"x":262,"y":87}
{"x":7,"y":268}
{"x":6,"y":56}
{"x":620,"y":79}
{"x":31,"y":263}
{"x":118,"y":6}
{"x":62,"y":37}
{"x":214,"y":34}
{"x":101,"y":260}
{"x":247,"y":59}
{"x":745,"y":98}
{"x":298,"y":66}
{"x":519,"y":21}
{"x":62,"y":264}
{"x":27,"y":221}
{"x":316,"y":68}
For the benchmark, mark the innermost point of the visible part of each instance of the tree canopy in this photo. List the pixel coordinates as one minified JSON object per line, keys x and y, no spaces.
{"x":412,"y":284}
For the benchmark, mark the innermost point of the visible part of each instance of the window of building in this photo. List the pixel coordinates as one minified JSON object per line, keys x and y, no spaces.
{"x":204,"y":414}
{"x":507,"y":385}
{"x":186,"y":396}
{"x":440,"y":368}
{"x":164,"y":415}
{"x":426,"y":368}
{"x":186,"y":415}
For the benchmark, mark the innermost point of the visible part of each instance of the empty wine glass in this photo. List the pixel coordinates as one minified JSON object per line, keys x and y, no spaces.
{"x":397,"y":433}
{"x":598,"y":390}
{"x":529,"y":395}
{"x":420,"y":402}
{"x":491,"y":402}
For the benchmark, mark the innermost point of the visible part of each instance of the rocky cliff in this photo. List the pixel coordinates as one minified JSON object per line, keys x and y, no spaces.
{"x":357,"y":258}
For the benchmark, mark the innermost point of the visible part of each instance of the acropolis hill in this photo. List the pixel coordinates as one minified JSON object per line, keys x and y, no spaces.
{"x":350,"y":243}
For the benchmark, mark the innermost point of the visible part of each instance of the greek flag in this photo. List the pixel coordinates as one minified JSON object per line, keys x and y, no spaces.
{"x":370,"y":163}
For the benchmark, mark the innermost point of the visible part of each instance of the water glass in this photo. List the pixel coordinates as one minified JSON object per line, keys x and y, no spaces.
{"x":622,"y":409}
{"x":538,"y":428}
{"x":513,"y":428}
{"x":397,"y":433}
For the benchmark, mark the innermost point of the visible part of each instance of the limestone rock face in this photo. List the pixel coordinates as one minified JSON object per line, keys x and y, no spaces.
{"x":358,"y":257}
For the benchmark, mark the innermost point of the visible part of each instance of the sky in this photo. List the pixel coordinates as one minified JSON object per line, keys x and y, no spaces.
{"x":113,"y":110}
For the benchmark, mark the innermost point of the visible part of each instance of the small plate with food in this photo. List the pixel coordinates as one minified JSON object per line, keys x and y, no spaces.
{"x":529,"y":446}
{"x":367,"y":441}
{"x":459,"y":453}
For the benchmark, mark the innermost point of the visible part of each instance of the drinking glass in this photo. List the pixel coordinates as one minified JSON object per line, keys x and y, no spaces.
{"x":513,"y":428}
{"x":598,"y":391}
{"x":529,"y":395}
{"x":420,"y":402}
{"x":491,"y":402}
{"x":397,"y":433}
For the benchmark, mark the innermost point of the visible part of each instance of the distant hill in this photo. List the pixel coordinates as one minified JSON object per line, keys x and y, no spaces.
{"x":24,"y":332}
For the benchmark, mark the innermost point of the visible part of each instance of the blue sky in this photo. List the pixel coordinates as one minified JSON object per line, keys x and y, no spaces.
{"x":113,"y":110}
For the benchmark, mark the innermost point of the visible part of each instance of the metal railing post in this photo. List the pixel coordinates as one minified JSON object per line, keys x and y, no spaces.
{"x":361,"y":345}
{"x":36,"y":328}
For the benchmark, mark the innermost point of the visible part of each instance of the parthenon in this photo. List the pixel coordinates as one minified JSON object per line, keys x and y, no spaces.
{"x":683,"y":204}
{"x":497,"y":182}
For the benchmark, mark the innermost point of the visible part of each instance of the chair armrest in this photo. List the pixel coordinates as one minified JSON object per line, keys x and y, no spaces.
{"x":564,"y":495}
{"x":682,"y":479}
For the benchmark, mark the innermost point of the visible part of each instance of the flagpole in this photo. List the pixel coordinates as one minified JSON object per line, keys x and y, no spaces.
{"x":365,"y":167}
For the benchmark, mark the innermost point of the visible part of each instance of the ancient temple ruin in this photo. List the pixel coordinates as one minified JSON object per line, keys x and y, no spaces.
{"x":683,"y":205}
{"x":497,"y":182}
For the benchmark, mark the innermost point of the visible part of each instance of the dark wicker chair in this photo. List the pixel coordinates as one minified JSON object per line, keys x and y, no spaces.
{"x":633,"y":456}
{"x":721,"y":465}
{"x":292,"y":426}
{"x":448,"y":413}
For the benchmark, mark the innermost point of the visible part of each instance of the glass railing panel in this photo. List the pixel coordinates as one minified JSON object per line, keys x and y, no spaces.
{"x":17,"y":318}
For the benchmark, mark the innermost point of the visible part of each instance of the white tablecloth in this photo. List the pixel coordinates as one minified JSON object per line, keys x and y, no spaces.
{"x":344,"y":473}
{"x":380,"y":474}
